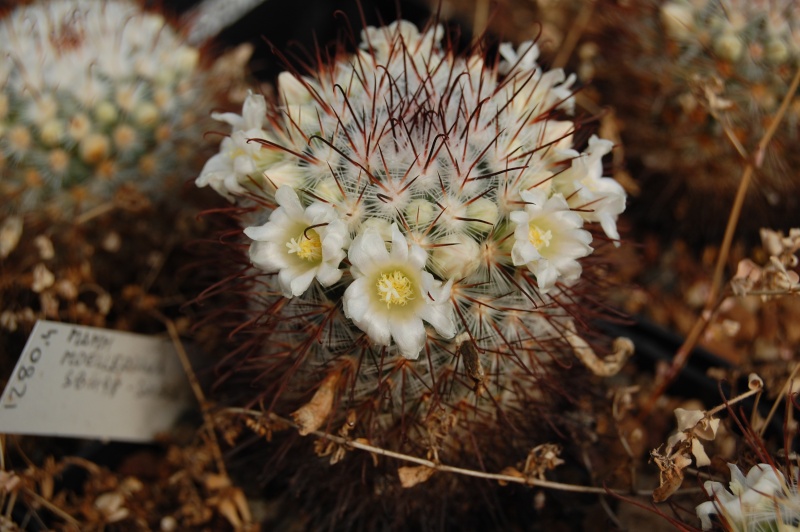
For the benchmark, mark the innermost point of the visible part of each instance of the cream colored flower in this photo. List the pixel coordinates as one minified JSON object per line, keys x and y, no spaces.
{"x":548,"y":239}
{"x":240,"y":160}
{"x":599,"y":199}
{"x":391,"y":295}
{"x":760,"y":501}
{"x":300,"y":245}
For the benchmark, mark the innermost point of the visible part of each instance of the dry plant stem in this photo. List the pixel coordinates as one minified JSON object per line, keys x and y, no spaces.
{"x":12,"y":500}
{"x":94,"y":213}
{"x":352,"y":444}
{"x":53,"y":508}
{"x":575,"y":32}
{"x":733,"y":401}
{"x":784,"y":390}
{"x":703,"y":320}
{"x":198,"y":393}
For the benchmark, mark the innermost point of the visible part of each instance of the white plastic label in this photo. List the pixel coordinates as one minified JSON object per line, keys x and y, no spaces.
{"x":87,"y":382}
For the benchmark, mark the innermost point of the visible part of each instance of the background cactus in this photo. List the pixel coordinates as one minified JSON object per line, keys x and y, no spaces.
{"x":94,"y":95}
{"x":103,"y":107}
{"x":418,"y":222}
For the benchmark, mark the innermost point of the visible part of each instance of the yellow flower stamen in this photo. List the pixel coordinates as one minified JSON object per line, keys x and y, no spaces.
{"x":540,"y":239}
{"x":307,"y":246}
{"x":395,"y":289}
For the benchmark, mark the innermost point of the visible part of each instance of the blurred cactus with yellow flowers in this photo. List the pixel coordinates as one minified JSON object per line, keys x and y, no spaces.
{"x":103,"y":110}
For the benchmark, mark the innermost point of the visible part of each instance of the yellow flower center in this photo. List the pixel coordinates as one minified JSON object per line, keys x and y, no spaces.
{"x":306,"y":246}
{"x":540,"y":239}
{"x":395,"y":289}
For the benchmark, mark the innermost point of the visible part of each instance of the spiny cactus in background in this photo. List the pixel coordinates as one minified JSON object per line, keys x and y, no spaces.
{"x":94,"y":94}
{"x":702,"y":81}
{"x":102,"y":113}
{"x":418,"y":226}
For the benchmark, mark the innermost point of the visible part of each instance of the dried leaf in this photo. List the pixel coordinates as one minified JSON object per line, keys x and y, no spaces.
{"x":701,"y":459}
{"x":45,"y":247}
{"x":472,"y":360}
{"x":510,"y":472}
{"x":748,"y":274}
{"x":608,"y":366}
{"x":671,"y":475}
{"x":687,"y":419}
{"x":541,"y":459}
{"x":706,"y":428}
{"x":111,"y":505}
{"x":8,"y":481}
{"x":42,"y":278}
{"x":754,"y":382}
{"x":10,"y":233}
{"x":413,"y":475}
{"x":313,"y":414}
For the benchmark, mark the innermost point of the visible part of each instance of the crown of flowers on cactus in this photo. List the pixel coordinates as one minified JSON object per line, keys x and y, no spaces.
{"x":418,"y":222}
{"x":93,"y":94}
{"x":463,"y":167}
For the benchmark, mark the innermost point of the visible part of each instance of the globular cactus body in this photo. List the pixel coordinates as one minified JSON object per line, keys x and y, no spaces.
{"x":418,"y":224}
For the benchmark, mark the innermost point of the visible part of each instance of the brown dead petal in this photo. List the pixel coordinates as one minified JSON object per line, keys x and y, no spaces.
{"x":748,"y":273}
{"x":687,"y":419}
{"x":49,"y":303}
{"x":103,"y":303}
{"x":8,"y":320}
{"x":111,"y":506}
{"x":9,"y":481}
{"x":706,"y":428}
{"x":168,"y":524}
{"x":771,"y":241}
{"x":364,"y":441}
{"x":410,"y":476}
{"x":701,"y":459}
{"x":233,"y":507}
{"x":112,"y":242}
{"x":10,"y":234}
{"x":730,"y":327}
{"x":215,"y":482}
{"x":671,"y":476}
{"x":754,"y":382}
{"x":42,"y":278}
{"x":313,"y":414}
{"x":510,"y":472}
{"x":45,"y":247}
{"x":608,"y":366}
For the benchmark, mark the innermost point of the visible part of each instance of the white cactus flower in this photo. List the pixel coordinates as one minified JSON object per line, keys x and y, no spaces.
{"x":299,"y":244}
{"x":240,"y":161}
{"x":762,"y":500}
{"x":254,"y":112}
{"x":391,"y":295}
{"x":549,"y":239}
{"x":596,"y":198}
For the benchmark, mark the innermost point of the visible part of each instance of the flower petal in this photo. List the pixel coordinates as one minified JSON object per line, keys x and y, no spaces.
{"x":409,"y":335}
{"x":399,"y":246}
{"x":441,"y":318}
{"x":287,"y":198}
{"x":367,"y":249}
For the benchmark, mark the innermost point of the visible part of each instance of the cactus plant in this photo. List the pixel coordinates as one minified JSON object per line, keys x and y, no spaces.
{"x":417,"y":224}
